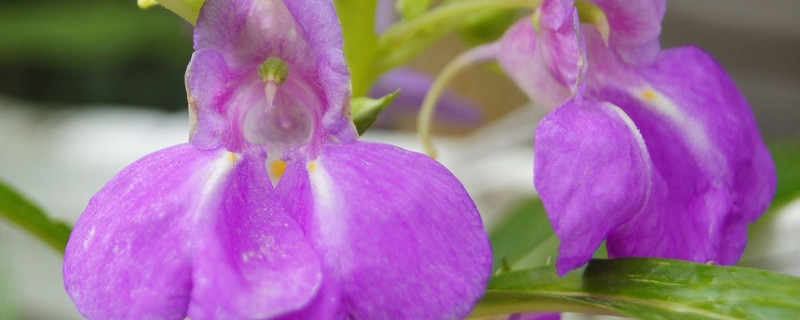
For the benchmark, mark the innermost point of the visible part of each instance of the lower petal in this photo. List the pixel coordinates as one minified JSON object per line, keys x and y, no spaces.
{"x":129,"y":256}
{"x":399,"y":234}
{"x":168,"y":235}
{"x":704,"y":142}
{"x":251,"y":259}
{"x":593,"y":174}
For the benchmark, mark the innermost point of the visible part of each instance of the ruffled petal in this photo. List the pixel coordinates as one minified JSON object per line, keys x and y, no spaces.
{"x":524,"y":59}
{"x":168,"y":233}
{"x":400,"y":236}
{"x":592,"y":172}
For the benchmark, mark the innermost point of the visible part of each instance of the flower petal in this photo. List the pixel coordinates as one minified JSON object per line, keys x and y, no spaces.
{"x":252,"y":261}
{"x":304,"y":34}
{"x":635,"y":27}
{"x":129,"y":256}
{"x":524,"y":60}
{"x":399,"y":234}
{"x":713,"y":173}
{"x":210,"y":85}
{"x":592,"y":172}
{"x":556,"y":13}
{"x":562,"y":47}
{"x":704,"y":141}
{"x":166,"y":235}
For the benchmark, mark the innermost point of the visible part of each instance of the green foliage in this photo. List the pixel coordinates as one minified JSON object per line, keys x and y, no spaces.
{"x":360,"y":42}
{"x":786,"y":155}
{"x":7,"y":309}
{"x":406,"y":39}
{"x":647,"y":289}
{"x":93,"y":52}
{"x":525,"y":238}
{"x":366,"y":110}
{"x":18,"y":210}
{"x":107,"y":31}
{"x":486,"y":26}
{"x":411,"y":9}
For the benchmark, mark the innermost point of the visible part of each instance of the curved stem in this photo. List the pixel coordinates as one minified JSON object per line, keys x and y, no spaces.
{"x":426,"y":112}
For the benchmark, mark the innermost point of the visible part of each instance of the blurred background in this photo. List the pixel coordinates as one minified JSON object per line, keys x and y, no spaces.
{"x":88,"y":86}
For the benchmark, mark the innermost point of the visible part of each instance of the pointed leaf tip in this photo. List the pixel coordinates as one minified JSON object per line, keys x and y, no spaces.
{"x":366,"y":110}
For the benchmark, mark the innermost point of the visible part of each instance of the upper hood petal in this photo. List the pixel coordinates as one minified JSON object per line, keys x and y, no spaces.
{"x":303,"y":34}
{"x":524,"y":59}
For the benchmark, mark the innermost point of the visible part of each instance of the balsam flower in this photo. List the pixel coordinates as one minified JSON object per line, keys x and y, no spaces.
{"x":655,"y":152}
{"x":273,"y":209}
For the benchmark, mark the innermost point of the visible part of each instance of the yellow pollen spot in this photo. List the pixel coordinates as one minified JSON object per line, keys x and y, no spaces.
{"x":233,"y":157}
{"x":312,"y":166}
{"x":649,"y":95}
{"x":277,"y":167}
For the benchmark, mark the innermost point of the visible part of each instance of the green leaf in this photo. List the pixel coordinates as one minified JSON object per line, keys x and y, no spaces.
{"x":406,"y":39}
{"x":366,"y":110}
{"x":761,"y":243}
{"x":411,"y":9}
{"x":15,"y":208}
{"x":786,"y":155}
{"x":647,"y":289}
{"x":487,"y":26}
{"x":525,"y":238}
{"x":360,"y":42}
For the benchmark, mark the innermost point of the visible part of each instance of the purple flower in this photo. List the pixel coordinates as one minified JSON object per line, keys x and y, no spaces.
{"x":273,"y":209}
{"x":655,"y":152}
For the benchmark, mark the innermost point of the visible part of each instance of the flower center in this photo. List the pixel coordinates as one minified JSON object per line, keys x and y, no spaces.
{"x":281,"y":121}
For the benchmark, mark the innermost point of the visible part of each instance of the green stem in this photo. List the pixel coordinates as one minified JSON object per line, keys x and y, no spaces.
{"x":426,"y":112}
{"x":402,"y":31}
{"x":15,"y":208}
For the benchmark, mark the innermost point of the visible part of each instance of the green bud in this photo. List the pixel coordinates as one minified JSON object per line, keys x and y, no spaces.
{"x":366,"y":110}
